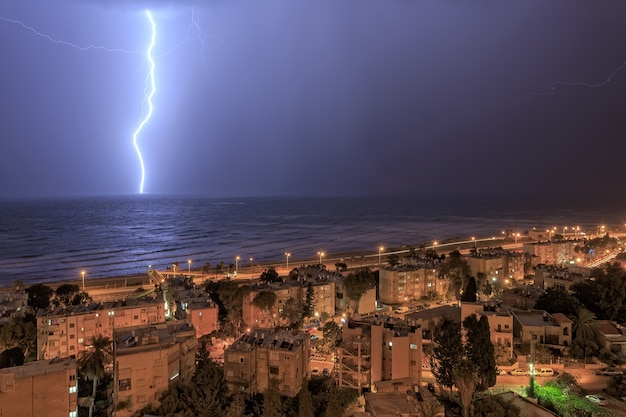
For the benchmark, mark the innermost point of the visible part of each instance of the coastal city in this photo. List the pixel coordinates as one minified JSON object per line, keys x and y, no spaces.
{"x":527,"y":323}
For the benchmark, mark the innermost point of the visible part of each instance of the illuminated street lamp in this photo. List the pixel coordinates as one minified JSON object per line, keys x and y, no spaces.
{"x":321,"y":254}
{"x":434,"y":244}
{"x":251,"y":267}
{"x":380,"y":251}
{"x":287,"y":255}
{"x":474,"y":240}
{"x":83,"y":274}
{"x":517,"y":235}
{"x":236,"y":265}
{"x":189,"y":264}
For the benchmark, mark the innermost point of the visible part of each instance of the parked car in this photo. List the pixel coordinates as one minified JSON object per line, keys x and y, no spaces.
{"x":544,"y":372}
{"x":519,"y":372}
{"x":609,"y":371}
{"x":597,"y":399}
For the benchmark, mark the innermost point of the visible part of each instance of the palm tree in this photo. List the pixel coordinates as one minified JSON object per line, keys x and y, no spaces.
{"x":91,"y":364}
{"x":586,"y":330}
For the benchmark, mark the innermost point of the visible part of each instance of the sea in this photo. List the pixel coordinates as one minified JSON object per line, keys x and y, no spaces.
{"x":54,"y":239}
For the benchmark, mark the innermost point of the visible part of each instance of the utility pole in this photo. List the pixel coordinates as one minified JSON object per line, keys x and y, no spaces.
{"x":531,"y":372}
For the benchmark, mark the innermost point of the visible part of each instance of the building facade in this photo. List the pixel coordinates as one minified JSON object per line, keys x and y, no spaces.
{"x":147,"y":359}
{"x":404,"y":283}
{"x":66,"y":332}
{"x":40,"y":388}
{"x":263,"y":355}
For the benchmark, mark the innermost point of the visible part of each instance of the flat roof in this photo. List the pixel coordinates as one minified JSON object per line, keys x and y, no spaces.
{"x":35,"y":368}
{"x":268,"y":338}
{"x":534,"y":318}
{"x":128,"y":338}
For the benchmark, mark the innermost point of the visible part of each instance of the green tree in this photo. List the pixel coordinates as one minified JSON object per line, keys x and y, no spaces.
{"x":332,"y":332}
{"x":270,"y":275}
{"x":586,"y":331}
{"x":479,"y":349}
{"x":615,"y":386}
{"x":292,"y":312}
{"x":469,"y":292}
{"x":465,"y":376}
{"x":265,"y":300}
{"x":557,"y":300}
{"x":305,"y":401}
{"x":454,"y":269}
{"x":308,"y":308}
{"x":19,"y":333}
{"x":39,"y":296}
{"x":447,"y":351}
{"x":11,"y":357}
{"x":272,"y":406}
{"x":92,"y":362}
{"x":66,"y":293}
{"x":495,"y":406}
{"x":393,"y":259}
{"x":357,"y":284}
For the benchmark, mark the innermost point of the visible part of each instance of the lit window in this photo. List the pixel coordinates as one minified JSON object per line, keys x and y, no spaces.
{"x":73,"y":414}
{"x":73,"y":389}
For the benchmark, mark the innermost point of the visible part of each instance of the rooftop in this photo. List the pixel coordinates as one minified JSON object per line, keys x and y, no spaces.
{"x":268,"y":338}
{"x":535,"y":318}
{"x":35,"y":368}
{"x":128,"y":338}
{"x":95,"y":307}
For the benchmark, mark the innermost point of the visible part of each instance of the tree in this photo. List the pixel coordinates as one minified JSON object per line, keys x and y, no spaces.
{"x":11,"y":357}
{"x":92,"y":363}
{"x":270,"y":275}
{"x":19,"y":333}
{"x":308,"y":308}
{"x":615,"y":387}
{"x":586,"y":332}
{"x":469,"y":292}
{"x":479,"y":349}
{"x":393,"y":259}
{"x":39,"y":296}
{"x":271,"y":401}
{"x":331,"y":332}
{"x":341,"y":267}
{"x":68,"y":294}
{"x":265,"y":300}
{"x":495,"y":406}
{"x":237,"y":406}
{"x":447,"y":351}
{"x":557,"y":300}
{"x":454,"y":269}
{"x":292,"y":312}
{"x":357,"y":284}
{"x":305,"y":401}
{"x":465,"y":377}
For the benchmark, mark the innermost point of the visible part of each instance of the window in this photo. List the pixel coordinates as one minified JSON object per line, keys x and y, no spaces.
{"x":241,"y":359}
{"x":72,"y":377}
{"x":413,"y":363}
{"x":71,"y":325}
{"x":80,"y":340}
{"x":565,"y":331}
{"x":273,"y":370}
{"x":413,"y":346}
{"x":124,"y":384}
{"x":135,"y":317}
{"x":199,"y":313}
{"x":72,"y":336}
{"x":73,"y":389}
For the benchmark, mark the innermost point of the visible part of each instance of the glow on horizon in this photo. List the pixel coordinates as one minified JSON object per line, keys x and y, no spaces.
{"x":147,"y":98}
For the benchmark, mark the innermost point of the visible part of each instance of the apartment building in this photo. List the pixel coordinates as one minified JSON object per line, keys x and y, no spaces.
{"x":552,"y":330}
{"x":40,"y":388}
{"x":556,"y":277}
{"x":203,"y":316}
{"x":613,"y":337}
{"x":497,"y":264}
{"x":366,"y":305}
{"x":147,"y":359}
{"x":262,"y":355}
{"x":324,"y":294}
{"x":552,"y":252}
{"x":65,"y":332}
{"x":374,"y":350}
{"x":406,"y":282}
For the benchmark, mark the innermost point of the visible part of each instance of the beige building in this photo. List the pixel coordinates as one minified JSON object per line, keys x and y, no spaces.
{"x":613,"y":337}
{"x":552,"y":330}
{"x":203,"y":316}
{"x":374,"y":350}
{"x":498,"y":265}
{"x":557,"y":252}
{"x":324,"y":298}
{"x":403,"y":283}
{"x":262,"y":355}
{"x":65,"y":332}
{"x":556,"y":277}
{"x":147,"y":359}
{"x":41,"y":388}
{"x":367,"y":303}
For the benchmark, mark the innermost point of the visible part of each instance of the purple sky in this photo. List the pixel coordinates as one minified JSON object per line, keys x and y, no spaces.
{"x":320,"y":97}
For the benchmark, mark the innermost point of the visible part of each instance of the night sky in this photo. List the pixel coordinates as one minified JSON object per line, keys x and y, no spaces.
{"x":324,"y":97}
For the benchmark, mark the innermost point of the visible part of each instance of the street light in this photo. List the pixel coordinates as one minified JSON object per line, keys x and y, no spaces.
{"x":287,"y":255}
{"x":236,"y":265}
{"x":251,"y":266}
{"x":380,"y":251}
{"x":189,"y":264}
{"x":83,"y":274}
{"x":321,"y":254}
{"x":474,"y":240}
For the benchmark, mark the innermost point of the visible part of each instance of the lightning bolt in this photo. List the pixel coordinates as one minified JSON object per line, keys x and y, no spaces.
{"x":557,"y":84}
{"x":147,"y":98}
{"x":65,"y":43}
